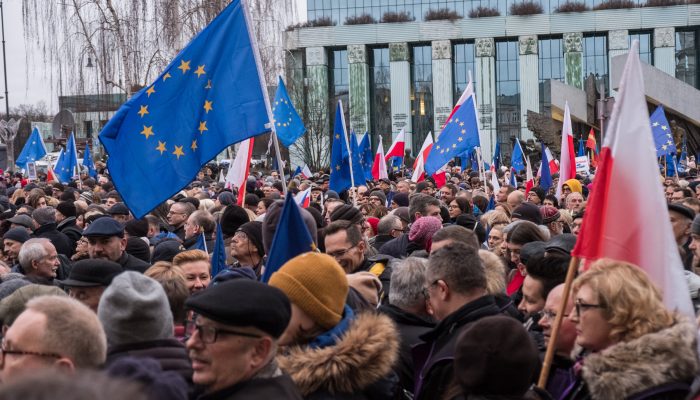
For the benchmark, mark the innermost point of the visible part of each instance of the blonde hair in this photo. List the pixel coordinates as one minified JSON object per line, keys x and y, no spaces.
{"x":190,"y":256}
{"x":631,"y":303}
{"x":497,"y":217}
{"x":495,"y":270}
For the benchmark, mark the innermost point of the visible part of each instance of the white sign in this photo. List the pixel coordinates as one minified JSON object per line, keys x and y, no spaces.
{"x":31,"y":171}
{"x":582,"y":164}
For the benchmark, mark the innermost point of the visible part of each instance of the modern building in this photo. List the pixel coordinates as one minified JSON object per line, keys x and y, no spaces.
{"x":408,"y":75}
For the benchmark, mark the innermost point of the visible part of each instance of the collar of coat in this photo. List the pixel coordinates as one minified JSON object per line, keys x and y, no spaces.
{"x":626,"y":368}
{"x":362,"y":356}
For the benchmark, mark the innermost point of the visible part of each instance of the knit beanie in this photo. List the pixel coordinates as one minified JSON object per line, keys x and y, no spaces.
{"x":549,"y":214}
{"x":379,"y":194}
{"x":67,"y":208}
{"x":17,"y":234}
{"x":13,"y":305}
{"x":9,"y":287}
{"x":347,"y":212}
{"x":317,"y":284}
{"x":539,"y":192}
{"x":423,"y":229}
{"x":253,"y":230}
{"x":528,"y":212}
{"x":232,"y":218}
{"x":134,"y":308}
{"x":138,"y":248}
{"x":166,"y":250}
{"x":226,"y":198}
{"x":373,"y":222}
{"x":401,"y":199}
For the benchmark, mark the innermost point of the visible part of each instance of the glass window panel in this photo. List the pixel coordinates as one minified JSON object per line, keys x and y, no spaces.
{"x":422,"y":101}
{"x":687,"y":57}
{"x":507,"y":95}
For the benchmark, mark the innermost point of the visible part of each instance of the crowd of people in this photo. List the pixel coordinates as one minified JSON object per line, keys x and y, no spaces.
{"x":414,"y":292}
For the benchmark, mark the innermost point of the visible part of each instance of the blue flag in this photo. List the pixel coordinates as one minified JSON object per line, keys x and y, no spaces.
{"x":496,"y":162}
{"x":288,"y":124}
{"x":296,"y":172}
{"x":517,"y":160}
{"x":291,"y":239}
{"x":201,"y":243}
{"x":340,"y":157}
{"x":218,"y":256}
{"x":358,"y":168}
{"x":492,"y":203}
{"x":460,"y":135}
{"x":60,"y":166}
{"x":367,"y":156}
{"x":208,"y":98}
{"x":545,"y":173}
{"x":88,"y":163}
{"x":33,"y":150}
{"x":513,"y":178}
{"x":68,"y":163}
{"x":670,"y":161}
{"x":581,"y":148}
{"x":661,"y":130}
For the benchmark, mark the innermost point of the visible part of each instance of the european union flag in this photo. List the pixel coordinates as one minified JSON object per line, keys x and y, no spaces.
{"x":496,"y":162}
{"x":60,"y":161}
{"x":661,"y":130}
{"x":68,"y":162}
{"x":517,"y":160}
{"x":358,"y":168}
{"x":545,"y":173}
{"x":33,"y":150}
{"x":671,"y":167}
{"x":367,"y":156}
{"x":218,"y":256}
{"x":291,"y":239}
{"x":201,"y":243}
{"x":88,"y":163}
{"x":288,"y":124}
{"x":460,"y":135}
{"x":340,"y":157}
{"x":209,"y":97}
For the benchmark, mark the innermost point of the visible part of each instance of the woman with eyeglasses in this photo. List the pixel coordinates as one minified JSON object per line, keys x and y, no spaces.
{"x":457,"y":207}
{"x":633,"y":346}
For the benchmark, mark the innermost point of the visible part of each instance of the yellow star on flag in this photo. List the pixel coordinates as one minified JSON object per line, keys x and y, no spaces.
{"x":166,"y":76}
{"x":151,"y":90}
{"x":161,"y":147}
{"x":184,"y":66}
{"x":337,"y":167}
{"x":459,"y":139}
{"x":178,"y":152}
{"x":200,"y":71}
{"x":208,"y":105}
{"x":194,"y":145}
{"x":203,"y":127}
{"x":147,"y":131}
{"x":461,"y":124}
{"x":143,"y":111}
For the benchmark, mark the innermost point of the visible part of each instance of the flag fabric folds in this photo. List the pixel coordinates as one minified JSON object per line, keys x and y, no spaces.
{"x":340,"y":178}
{"x":397,"y":146}
{"x":419,"y":163}
{"x":210,"y":96}
{"x":567,"y":163}
{"x":553,"y":162}
{"x":459,"y":136}
{"x":592,"y":145}
{"x":58,"y":167}
{"x":288,"y":125}
{"x":237,"y":174}
{"x":33,"y":150}
{"x":358,"y":163}
{"x":218,"y":256}
{"x":618,"y":229}
{"x":88,"y":163}
{"x":517,"y":158}
{"x":496,"y":161}
{"x":291,"y":239}
{"x":544,"y":172}
{"x":303,"y":198}
{"x":69,"y":162}
{"x":379,"y":167}
{"x":367,"y":156}
{"x":661,"y":129}
{"x":201,"y":243}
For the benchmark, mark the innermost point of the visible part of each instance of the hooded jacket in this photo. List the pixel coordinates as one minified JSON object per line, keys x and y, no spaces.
{"x":355,"y":367}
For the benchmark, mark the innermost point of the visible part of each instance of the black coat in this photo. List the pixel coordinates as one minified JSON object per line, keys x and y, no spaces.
{"x":434,"y":358}
{"x":410,"y":327}
{"x":69,"y":228}
{"x":380,"y":240}
{"x":131,"y":263}
{"x":397,"y":247}
{"x":170,"y":354}
{"x":59,"y":240}
{"x":280,"y":387}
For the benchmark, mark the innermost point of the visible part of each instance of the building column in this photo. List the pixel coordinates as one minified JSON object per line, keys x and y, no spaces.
{"x":485,"y":66}
{"x":442,"y":83}
{"x":359,"y":89}
{"x":573,"y":59}
{"x":529,"y":81}
{"x":317,"y":91}
{"x":618,"y":43}
{"x":665,"y":50}
{"x":400,"y":70}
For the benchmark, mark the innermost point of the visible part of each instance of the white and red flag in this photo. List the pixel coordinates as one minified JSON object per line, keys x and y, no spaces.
{"x":567,"y":163}
{"x":419,"y":164}
{"x":303,"y":198}
{"x":553,"y":162}
{"x":238,"y":170}
{"x":379,"y":167}
{"x":397,"y":147}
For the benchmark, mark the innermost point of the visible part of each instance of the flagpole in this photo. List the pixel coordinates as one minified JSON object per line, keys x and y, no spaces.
{"x":347,"y":143}
{"x":482,"y":173}
{"x":256,"y":52}
{"x":549,"y":355}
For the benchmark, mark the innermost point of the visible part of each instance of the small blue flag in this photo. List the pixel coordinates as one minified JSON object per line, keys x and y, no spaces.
{"x":671,"y":167}
{"x":218,"y":256}
{"x":68,"y":163}
{"x":460,"y":135}
{"x":581,"y":148}
{"x":496,"y":162}
{"x":492,"y":203}
{"x":209,"y":97}
{"x":367,"y":156}
{"x":513,"y":179}
{"x":288,"y":124}
{"x":201,"y":243}
{"x":545,"y":173}
{"x":88,"y":163}
{"x":296,"y":172}
{"x":340,"y":157}
{"x":291,"y":239}
{"x":517,"y":160}
{"x":358,"y":169}
{"x":33,"y":150}
{"x":59,"y":166}
{"x":661,"y":130}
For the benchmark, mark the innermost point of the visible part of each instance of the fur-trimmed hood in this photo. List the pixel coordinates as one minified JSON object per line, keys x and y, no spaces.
{"x":362,"y":356}
{"x":626,"y":368}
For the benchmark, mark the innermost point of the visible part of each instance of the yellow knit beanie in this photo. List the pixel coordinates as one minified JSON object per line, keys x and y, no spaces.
{"x":316,"y":283}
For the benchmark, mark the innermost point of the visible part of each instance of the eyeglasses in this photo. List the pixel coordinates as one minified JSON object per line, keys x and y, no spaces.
{"x":581,"y":306}
{"x":209,"y":334}
{"x":550,"y":315}
{"x":4,"y":351}
{"x":452,"y":206}
{"x":340,"y":253}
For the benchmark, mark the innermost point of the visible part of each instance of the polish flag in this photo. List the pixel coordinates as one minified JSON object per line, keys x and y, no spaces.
{"x":567,"y":164}
{"x":494,"y":180}
{"x":306,"y":172}
{"x":530,"y":180}
{"x":553,"y":162}
{"x":639,"y":231}
{"x":397,"y":148}
{"x":238,"y":171}
{"x":379,"y":166}
{"x":419,"y":164}
{"x":303,"y":198}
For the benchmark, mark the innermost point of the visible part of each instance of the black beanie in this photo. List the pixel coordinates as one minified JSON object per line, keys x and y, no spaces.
{"x":136,"y":228}
{"x":67,"y":208}
{"x":138,"y":248}
{"x":253,"y":230}
{"x":232,"y":218}
{"x":347,"y":212}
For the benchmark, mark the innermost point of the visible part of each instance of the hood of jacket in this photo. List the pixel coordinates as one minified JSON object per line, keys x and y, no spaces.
{"x":626,"y":368}
{"x":365,"y":354}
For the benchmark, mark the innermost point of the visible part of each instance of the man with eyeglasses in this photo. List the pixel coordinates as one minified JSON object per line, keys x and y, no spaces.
{"x":177,"y":216}
{"x":560,"y":373}
{"x":235,"y":338}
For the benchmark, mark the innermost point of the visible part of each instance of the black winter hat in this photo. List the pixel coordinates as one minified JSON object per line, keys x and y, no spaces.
{"x":232,"y":218}
{"x":67,"y":208}
{"x":347,"y":212}
{"x":138,"y":248}
{"x":253,"y":230}
{"x":91,"y":273}
{"x":528,"y":212}
{"x":136,"y":228}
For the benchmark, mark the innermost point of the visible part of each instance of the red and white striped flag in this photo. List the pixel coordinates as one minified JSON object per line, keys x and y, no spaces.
{"x":397,"y":147}
{"x":379,"y":166}
{"x":238,"y":170}
{"x":567,"y":163}
{"x":419,"y":164}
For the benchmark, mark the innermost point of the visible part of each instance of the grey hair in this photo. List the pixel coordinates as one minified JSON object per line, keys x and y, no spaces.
{"x":386,"y":224}
{"x":407,"y":282}
{"x":32,"y":249}
{"x":44,"y":215}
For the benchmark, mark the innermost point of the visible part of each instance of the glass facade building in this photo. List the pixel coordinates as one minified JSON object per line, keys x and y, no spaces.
{"x":507,"y":93}
{"x":340,"y":83}
{"x":380,"y":95}
{"x":551,"y":66}
{"x":687,"y":56}
{"x":421,"y":94}
{"x":463,"y":64}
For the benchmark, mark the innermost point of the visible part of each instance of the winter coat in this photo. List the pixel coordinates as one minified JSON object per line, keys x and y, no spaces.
{"x":170,"y":354}
{"x":131,"y":263}
{"x":658,"y":365}
{"x":276,"y":387}
{"x":380,"y":240}
{"x":60,"y":241}
{"x":410,"y":327}
{"x":69,"y":228}
{"x":397,"y":247}
{"x":434,"y":358}
{"x":355,"y":367}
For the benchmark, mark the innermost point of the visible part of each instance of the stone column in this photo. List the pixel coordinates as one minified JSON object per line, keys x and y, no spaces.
{"x":485,"y":66}
{"x":359,"y":88}
{"x":665,"y":50}
{"x":400,"y":70}
{"x":529,"y":81}
{"x":317,"y":90}
{"x":573,"y":59}
{"x":442,"y":83}
{"x":618,"y":43}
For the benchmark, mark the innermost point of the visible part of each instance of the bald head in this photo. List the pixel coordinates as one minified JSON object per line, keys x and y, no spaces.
{"x":515,"y":199}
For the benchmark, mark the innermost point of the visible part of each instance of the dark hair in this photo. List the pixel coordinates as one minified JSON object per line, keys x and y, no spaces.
{"x":459,"y":265}
{"x":464,"y":206}
{"x":354,"y":234}
{"x":481,"y":202}
{"x":525,"y":232}
{"x":457,"y":234}
{"x":553,"y":198}
{"x":419,"y":202}
{"x":550,"y":271}
{"x":470,"y":222}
